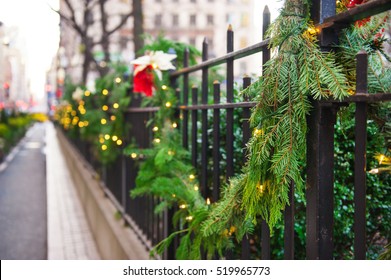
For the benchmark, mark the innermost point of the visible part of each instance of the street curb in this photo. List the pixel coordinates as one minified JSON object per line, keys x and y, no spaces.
{"x":113,"y":239}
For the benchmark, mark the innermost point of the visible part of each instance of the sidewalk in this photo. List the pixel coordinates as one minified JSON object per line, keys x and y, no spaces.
{"x":69,"y":236}
{"x":23,"y":208}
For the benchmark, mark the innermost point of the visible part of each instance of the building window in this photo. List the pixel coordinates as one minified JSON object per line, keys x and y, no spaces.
{"x":158,"y":1}
{"x":175,"y":20}
{"x":245,"y":20}
{"x":193,"y":1}
{"x":158,"y":20}
{"x":209,"y":19}
{"x":193,"y":20}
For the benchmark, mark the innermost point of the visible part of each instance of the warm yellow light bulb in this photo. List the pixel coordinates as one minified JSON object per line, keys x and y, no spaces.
{"x":168,"y":104}
{"x":118,"y":80}
{"x":105,"y":92}
{"x":374,"y":171}
{"x":107,"y":136}
{"x":103,"y":121}
{"x":191,"y":176}
{"x":182,"y":206}
{"x":164,"y":87}
{"x":196,"y":188}
{"x":208,"y":201}
{"x":133,"y":155}
{"x":157,"y":140}
{"x":105,"y":107}
{"x":113,"y":118}
{"x":260,"y":187}
{"x":174,"y":125}
{"x":312,"y":30}
{"x":257,"y":132}
{"x":104,"y":147}
{"x":115,"y":105}
{"x":189,"y":218}
{"x":155,"y":129}
{"x":119,"y":142}
{"x":114,"y":138}
{"x":381,"y":158}
{"x":87,"y":93}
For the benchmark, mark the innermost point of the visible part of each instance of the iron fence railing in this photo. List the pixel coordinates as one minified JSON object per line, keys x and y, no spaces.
{"x":205,"y":152}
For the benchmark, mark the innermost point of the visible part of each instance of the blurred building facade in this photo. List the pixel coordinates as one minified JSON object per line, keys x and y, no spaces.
{"x":191,"y":21}
{"x":188,"y":21}
{"x":14,"y":88}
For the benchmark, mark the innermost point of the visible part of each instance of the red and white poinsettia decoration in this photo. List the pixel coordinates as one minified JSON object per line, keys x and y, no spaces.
{"x":145,"y":66}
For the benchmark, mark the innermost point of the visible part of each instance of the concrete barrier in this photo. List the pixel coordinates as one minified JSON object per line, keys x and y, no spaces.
{"x":114,"y":240}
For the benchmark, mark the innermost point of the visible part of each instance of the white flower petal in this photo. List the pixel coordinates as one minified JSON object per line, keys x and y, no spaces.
{"x":143,"y":60}
{"x":159,"y":74}
{"x":163,"y":60}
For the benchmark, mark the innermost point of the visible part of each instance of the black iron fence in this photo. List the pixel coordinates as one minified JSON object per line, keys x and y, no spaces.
{"x":205,"y":151}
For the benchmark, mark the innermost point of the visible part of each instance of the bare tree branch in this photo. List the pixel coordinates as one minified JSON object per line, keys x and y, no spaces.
{"x":69,"y":21}
{"x":73,"y":13}
{"x":122,"y":22}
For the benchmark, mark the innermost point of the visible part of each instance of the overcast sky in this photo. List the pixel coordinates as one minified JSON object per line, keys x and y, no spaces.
{"x":38,"y":27}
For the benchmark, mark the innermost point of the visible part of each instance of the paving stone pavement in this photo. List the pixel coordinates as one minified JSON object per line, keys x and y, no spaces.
{"x":69,"y":236}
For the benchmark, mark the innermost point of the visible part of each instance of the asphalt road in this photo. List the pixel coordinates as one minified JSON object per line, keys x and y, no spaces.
{"x":23,"y":211}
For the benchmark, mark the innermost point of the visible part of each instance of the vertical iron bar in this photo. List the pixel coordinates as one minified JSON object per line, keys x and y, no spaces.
{"x":149,"y":217}
{"x":124,"y":193}
{"x":289,"y":225}
{"x":246,"y":117}
{"x":320,"y":156}
{"x":216,"y":143}
{"x":265,"y":231}
{"x":230,"y":112}
{"x":246,"y":138}
{"x":194,"y":121}
{"x":204,"y":119}
{"x":320,"y":181}
{"x":185,"y":113}
{"x":360,"y":158}
{"x":265,"y":241}
{"x":320,"y":10}
{"x":153,"y":221}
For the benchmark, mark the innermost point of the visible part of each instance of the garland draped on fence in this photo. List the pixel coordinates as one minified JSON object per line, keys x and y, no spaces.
{"x":297,"y":73}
